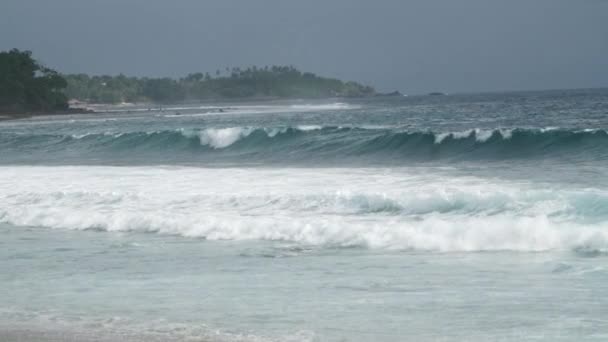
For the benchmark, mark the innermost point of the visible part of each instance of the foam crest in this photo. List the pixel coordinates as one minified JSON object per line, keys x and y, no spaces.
{"x":398,"y":210}
{"x":433,"y":233}
{"x":329,"y":106}
{"x":318,"y":143}
{"x":223,"y":137}
{"x":305,"y":128}
{"x":480,"y":135}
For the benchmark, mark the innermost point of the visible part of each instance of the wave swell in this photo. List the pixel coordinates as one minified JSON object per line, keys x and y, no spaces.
{"x":303,"y":143}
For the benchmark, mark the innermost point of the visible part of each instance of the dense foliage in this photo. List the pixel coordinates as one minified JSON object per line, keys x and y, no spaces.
{"x":267,"y":82}
{"x":26,"y":85}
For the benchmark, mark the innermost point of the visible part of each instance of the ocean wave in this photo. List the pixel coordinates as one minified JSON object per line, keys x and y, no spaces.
{"x":420,"y":214}
{"x":330,"y":142}
{"x":433,"y":233}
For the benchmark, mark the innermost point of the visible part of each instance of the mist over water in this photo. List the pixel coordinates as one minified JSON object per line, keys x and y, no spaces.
{"x":461,"y":217}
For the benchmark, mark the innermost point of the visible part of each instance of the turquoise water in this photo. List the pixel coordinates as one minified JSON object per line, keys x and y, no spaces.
{"x":466,"y":217}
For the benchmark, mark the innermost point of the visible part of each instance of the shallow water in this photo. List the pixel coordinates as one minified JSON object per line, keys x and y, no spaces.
{"x":477,"y":217}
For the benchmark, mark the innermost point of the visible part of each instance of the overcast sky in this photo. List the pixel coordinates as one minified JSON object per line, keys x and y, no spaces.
{"x":415,"y":46}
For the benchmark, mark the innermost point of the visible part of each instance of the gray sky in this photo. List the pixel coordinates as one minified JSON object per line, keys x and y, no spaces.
{"x":415,"y":46}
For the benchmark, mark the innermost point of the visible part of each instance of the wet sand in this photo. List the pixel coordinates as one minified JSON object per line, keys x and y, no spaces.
{"x":35,"y":334}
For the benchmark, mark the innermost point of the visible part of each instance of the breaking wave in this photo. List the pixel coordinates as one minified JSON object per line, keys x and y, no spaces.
{"x":303,"y":143}
{"x":307,"y":208}
{"x":432,"y":232}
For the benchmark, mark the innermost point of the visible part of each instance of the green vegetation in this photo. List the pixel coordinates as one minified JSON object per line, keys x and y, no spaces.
{"x":267,"y":82}
{"x":27,"y":86}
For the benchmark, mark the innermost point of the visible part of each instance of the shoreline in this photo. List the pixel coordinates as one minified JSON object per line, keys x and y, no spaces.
{"x":27,"y":115}
{"x":223,"y":105}
{"x":26,"y":333}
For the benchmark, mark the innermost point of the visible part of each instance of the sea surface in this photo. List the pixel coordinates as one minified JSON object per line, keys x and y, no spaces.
{"x":480,"y":217}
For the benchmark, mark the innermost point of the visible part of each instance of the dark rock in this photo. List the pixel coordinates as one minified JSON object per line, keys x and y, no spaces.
{"x":394,"y":93}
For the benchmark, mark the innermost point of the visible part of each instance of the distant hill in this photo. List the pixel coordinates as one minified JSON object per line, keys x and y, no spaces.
{"x":235,"y":83}
{"x":26,"y":86}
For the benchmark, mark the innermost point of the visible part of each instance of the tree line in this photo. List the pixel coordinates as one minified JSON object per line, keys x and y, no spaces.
{"x":231,"y":83}
{"x":26,"y":85}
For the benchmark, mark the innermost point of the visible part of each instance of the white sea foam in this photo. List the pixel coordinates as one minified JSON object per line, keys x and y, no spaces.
{"x":481,"y":135}
{"x":371,"y":208}
{"x":439,"y":137}
{"x":549,"y":129}
{"x":223,"y":137}
{"x":257,"y":109}
{"x":328,"y":106}
{"x":309,"y":127}
{"x":272,"y":132}
{"x":107,"y":134}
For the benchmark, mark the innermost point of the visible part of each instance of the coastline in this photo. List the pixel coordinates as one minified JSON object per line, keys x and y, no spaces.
{"x":25,"y":333}
{"x":11,"y":117}
{"x":26,"y":115}
{"x":222,"y":104}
